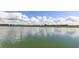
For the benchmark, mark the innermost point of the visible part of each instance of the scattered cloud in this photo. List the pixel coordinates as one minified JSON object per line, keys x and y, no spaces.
{"x":19,"y":18}
{"x":72,"y":18}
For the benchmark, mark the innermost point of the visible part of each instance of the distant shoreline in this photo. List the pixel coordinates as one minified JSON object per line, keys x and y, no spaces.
{"x":39,"y":25}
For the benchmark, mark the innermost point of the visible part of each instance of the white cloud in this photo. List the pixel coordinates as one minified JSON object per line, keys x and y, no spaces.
{"x":15,"y":15}
{"x":34,"y":21}
{"x":72,"y":18}
{"x":19,"y":18}
{"x":4,"y":15}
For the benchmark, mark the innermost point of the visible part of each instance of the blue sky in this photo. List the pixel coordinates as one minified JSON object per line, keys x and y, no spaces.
{"x":52,"y":17}
{"x":49,"y":13}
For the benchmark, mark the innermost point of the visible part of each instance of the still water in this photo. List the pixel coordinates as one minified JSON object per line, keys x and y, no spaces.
{"x":39,"y":37}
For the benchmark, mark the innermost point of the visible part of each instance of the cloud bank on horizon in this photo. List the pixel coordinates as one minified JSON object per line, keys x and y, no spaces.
{"x":19,"y":18}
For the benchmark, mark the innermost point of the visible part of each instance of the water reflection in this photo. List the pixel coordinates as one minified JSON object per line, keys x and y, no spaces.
{"x":73,"y":32}
{"x":11,"y":35}
{"x":20,"y":32}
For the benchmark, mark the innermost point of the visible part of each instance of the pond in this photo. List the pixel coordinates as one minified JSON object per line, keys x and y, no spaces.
{"x":39,"y":37}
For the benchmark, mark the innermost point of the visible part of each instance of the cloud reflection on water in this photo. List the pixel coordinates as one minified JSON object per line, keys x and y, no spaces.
{"x":13,"y":35}
{"x":21,"y":32}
